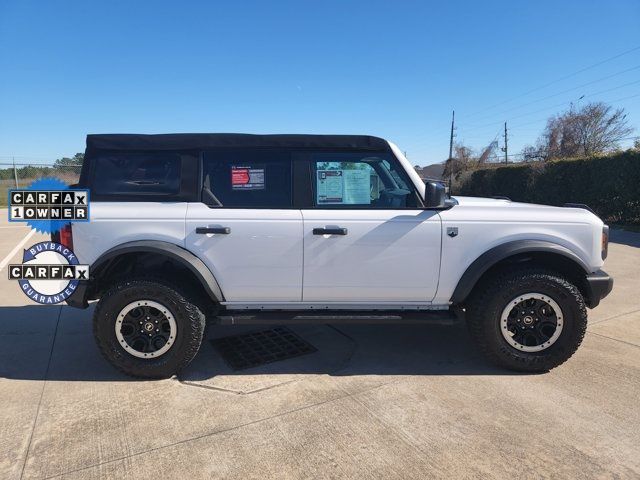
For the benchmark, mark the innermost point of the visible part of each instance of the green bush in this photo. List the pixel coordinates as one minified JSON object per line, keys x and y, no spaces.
{"x":610,"y":185}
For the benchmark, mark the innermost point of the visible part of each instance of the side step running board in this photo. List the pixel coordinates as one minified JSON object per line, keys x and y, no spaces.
{"x":258,"y":317}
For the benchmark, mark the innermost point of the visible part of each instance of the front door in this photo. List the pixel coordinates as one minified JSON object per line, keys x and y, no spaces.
{"x":366,"y":240}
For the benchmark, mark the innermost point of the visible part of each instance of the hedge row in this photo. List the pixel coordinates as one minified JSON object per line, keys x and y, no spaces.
{"x":609,"y":185}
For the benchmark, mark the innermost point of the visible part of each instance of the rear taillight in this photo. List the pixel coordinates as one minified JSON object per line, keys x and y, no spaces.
{"x":605,"y":241}
{"x":65,"y":236}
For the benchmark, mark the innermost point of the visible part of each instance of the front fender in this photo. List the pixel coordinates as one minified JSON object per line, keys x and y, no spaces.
{"x":501,"y":252}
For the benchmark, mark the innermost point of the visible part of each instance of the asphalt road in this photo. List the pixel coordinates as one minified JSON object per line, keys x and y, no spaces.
{"x":372,"y":402}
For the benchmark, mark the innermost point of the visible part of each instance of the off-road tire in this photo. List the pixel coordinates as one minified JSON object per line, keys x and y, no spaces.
{"x":188,"y":315}
{"x":489,"y":299}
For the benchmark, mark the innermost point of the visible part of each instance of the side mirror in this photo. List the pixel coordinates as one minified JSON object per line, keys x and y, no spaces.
{"x":435,"y":195}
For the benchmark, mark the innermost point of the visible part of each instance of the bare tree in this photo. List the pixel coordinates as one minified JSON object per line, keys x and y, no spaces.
{"x":461,"y":161}
{"x":532,"y":153}
{"x":601,"y":129}
{"x":593,"y":129}
{"x":463,"y":153}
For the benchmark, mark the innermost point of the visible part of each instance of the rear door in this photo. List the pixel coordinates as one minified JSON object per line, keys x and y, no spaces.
{"x":245,"y":228}
{"x":366,"y":239}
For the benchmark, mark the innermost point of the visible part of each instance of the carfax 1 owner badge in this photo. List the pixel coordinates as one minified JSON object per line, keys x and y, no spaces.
{"x":50,"y":272}
{"x":48,"y":204}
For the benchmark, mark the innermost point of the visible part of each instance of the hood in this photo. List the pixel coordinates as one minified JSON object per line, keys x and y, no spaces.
{"x":517,"y":209}
{"x":496,"y":202}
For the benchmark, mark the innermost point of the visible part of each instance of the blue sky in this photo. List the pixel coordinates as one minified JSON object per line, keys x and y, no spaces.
{"x":393,"y":69}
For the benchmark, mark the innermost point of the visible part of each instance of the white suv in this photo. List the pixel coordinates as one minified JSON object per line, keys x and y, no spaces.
{"x":318,"y":228}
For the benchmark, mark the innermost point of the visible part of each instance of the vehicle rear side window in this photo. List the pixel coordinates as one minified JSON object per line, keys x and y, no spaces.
{"x":247,"y":179}
{"x":137,"y":174}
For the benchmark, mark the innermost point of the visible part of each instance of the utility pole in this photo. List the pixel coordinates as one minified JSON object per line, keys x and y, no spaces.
{"x":506,"y":144}
{"x":15,"y":172}
{"x":453,"y":120}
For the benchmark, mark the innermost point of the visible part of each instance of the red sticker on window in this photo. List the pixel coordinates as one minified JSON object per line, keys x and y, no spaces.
{"x":239,"y":176}
{"x":245,"y":177}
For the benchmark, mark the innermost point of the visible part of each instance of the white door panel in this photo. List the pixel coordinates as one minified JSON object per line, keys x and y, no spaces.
{"x":261,"y":257}
{"x":386,"y":255}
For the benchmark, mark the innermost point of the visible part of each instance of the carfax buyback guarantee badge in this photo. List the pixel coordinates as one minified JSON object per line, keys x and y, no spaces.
{"x":50,"y":271}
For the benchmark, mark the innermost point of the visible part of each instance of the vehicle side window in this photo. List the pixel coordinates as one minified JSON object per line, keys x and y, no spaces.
{"x":247,"y":179}
{"x":137,"y":173}
{"x":360,"y":180}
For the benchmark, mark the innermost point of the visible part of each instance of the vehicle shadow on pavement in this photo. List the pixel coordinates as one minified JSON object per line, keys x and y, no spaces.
{"x":56,"y":343}
{"x":354,"y":350}
{"x":623,"y":237}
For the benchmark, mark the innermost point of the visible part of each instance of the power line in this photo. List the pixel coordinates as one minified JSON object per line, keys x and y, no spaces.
{"x":493,"y":124}
{"x":546,"y":118}
{"x":556,"y":105}
{"x":590,"y":95}
{"x":556,"y":81}
{"x":29,"y":156}
{"x":562,"y":92}
{"x":570,"y":75}
{"x":564,"y":103}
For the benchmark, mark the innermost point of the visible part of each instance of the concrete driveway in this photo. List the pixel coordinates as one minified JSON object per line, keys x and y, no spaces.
{"x":372,"y":402}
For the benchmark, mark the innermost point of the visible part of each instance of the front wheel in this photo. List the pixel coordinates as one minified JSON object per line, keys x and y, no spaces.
{"x":527,"y":319}
{"x":148,"y":328}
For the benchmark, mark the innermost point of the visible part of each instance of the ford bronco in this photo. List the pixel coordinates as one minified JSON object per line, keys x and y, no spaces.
{"x":243,"y":228}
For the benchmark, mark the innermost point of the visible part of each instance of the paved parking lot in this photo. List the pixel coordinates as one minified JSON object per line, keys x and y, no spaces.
{"x":372,"y":402}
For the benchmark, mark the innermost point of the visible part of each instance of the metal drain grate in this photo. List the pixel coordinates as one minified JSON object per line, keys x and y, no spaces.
{"x":258,"y":348}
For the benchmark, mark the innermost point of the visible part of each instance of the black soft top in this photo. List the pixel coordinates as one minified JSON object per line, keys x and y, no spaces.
{"x":200,"y":141}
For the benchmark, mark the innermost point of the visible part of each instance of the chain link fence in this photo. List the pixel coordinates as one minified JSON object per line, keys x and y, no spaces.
{"x":21,"y":175}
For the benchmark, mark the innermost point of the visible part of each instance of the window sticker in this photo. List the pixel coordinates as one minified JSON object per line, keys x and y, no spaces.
{"x":343,"y":187}
{"x":330,"y":187}
{"x":357,"y":187}
{"x":247,"y":178}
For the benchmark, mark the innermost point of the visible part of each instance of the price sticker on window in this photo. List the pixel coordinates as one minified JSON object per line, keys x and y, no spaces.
{"x":247,"y":178}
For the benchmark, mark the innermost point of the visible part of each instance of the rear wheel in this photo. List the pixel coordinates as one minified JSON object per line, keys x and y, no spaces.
{"x":527,"y":319}
{"x":148,"y":328}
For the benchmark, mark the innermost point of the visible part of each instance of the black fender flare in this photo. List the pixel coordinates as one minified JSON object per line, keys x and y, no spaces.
{"x":491,"y":257}
{"x":171,"y":250}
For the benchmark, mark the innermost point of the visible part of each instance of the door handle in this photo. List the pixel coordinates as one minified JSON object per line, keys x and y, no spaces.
{"x":145,"y":182}
{"x":220,"y":230}
{"x":330,"y":231}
